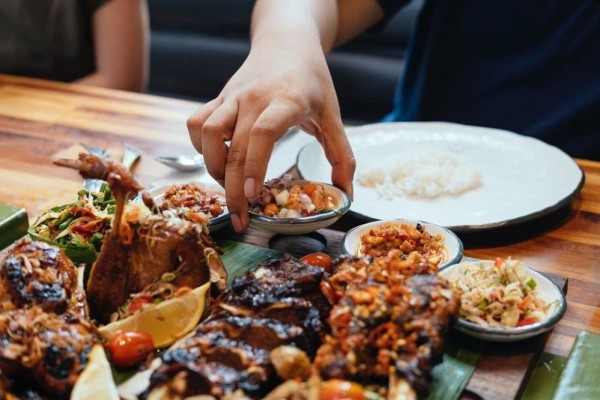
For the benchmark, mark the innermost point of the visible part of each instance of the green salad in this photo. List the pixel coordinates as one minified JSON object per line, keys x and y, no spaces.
{"x":78,"y":228}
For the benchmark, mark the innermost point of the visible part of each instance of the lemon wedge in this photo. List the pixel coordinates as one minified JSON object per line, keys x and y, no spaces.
{"x":95,"y":381}
{"x":165,"y":322}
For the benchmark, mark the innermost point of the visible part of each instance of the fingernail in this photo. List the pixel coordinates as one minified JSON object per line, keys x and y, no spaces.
{"x":236,"y":222}
{"x":250,"y":187}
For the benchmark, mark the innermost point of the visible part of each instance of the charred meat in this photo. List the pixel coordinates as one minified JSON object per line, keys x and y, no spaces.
{"x":45,"y":334}
{"x":389,"y":321}
{"x":51,"y":349}
{"x":280,"y":304}
{"x":143,"y":246}
{"x":36,"y":273}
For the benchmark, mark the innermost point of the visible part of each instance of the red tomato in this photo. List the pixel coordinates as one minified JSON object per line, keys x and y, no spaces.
{"x":526,"y":321}
{"x":138,"y":302}
{"x":319,"y":260}
{"x":128,"y":349}
{"x":338,"y":389}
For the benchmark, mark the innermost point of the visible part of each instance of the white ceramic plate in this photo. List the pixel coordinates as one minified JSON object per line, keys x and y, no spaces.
{"x":303,"y":225}
{"x":214,"y":224}
{"x":521,"y":177}
{"x":453,"y":245}
{"x":546,"y":290}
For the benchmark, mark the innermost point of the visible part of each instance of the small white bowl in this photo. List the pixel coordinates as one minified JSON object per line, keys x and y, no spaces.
{"x":546,"y":290}
{"x":214,"y":224}
{"x":453,"y":245}
{"x":303,"y":225}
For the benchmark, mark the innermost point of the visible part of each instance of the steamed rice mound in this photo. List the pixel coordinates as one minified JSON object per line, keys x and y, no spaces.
{"x":425,"y":173}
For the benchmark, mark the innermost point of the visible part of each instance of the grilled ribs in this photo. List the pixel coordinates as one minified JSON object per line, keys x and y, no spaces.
{"x":389,"y":321}
{"x":278,"y":304}
{"x":45,"y":334}
{"x":141,"y":247}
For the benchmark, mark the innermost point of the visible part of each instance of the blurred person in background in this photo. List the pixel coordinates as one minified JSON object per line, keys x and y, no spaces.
{"x":92,"y":42}
{"x":528,"y":67}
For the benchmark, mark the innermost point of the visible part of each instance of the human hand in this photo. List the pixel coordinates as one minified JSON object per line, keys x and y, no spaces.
{"x":277,"y":87}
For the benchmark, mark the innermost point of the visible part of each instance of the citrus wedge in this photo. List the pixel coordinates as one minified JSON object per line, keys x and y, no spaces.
{"x":165,"y":322}
{"x":96,"y":380}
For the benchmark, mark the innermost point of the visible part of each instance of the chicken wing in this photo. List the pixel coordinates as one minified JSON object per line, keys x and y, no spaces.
{"x":143,"y":246}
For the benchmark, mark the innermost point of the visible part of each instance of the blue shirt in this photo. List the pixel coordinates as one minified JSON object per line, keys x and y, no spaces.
{"x":531,"y":67}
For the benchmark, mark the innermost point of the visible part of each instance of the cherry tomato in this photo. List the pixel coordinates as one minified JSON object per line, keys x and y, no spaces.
{"x":128,"y":349}
{"x":319,"y":260}
{"x":338,"y":389}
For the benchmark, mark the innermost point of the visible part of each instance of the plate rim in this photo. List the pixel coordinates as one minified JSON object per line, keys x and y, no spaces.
{"x":466,"y":228}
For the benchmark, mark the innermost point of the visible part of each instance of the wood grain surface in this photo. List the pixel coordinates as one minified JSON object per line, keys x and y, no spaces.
{"x":40,"y":121}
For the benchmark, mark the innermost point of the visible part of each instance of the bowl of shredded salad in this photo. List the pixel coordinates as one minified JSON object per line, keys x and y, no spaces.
{"x":503,"y":300}
{"x":77,"y":228}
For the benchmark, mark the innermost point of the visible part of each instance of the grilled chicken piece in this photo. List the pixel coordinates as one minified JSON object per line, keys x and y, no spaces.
{"x":263,"y":310}
{"x":140,"y":249}
{"x":163,"y":246}
{"x":45,"y":333}
{"x":36,"y":273}
{"x":52,"y":349}
{"x":389,"y":322}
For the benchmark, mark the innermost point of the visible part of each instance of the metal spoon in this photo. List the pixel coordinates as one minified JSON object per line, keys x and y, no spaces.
{"x":183,"y":163}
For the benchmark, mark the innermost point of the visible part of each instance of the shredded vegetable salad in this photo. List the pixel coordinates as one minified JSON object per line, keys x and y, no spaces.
{"x":283,"y":198}
{"x":155,"y":293}
{"x":498,"y":294}
{"x":82,"y":222}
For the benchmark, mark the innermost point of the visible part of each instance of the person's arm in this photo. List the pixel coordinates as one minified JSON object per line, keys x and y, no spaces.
{"x":284,"y":82}
{"x":121,"y":36}
{"x":355,"y":17}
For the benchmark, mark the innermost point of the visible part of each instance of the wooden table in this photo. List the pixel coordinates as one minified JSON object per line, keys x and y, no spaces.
{"x":42,"y":120}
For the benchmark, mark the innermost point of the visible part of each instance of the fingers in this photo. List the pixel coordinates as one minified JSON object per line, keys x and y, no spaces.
{"x":217,"y":129}
{"x":237,"y":203}
{"x":271,"y":125}
{"x":339,"y":153}
{"x":196,"y":121}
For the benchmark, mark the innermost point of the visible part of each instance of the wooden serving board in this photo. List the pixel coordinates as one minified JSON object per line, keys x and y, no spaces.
{"x":495,"y":370}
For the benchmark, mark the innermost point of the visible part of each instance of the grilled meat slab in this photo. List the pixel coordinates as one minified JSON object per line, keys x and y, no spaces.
{"x":389,"y":321}
{"x":278,"y":304}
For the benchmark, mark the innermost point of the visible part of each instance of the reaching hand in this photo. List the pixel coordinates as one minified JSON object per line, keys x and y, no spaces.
{"x":277,"y":87}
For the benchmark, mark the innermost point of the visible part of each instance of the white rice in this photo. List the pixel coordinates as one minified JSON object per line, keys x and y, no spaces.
{"x":422,"y":173}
